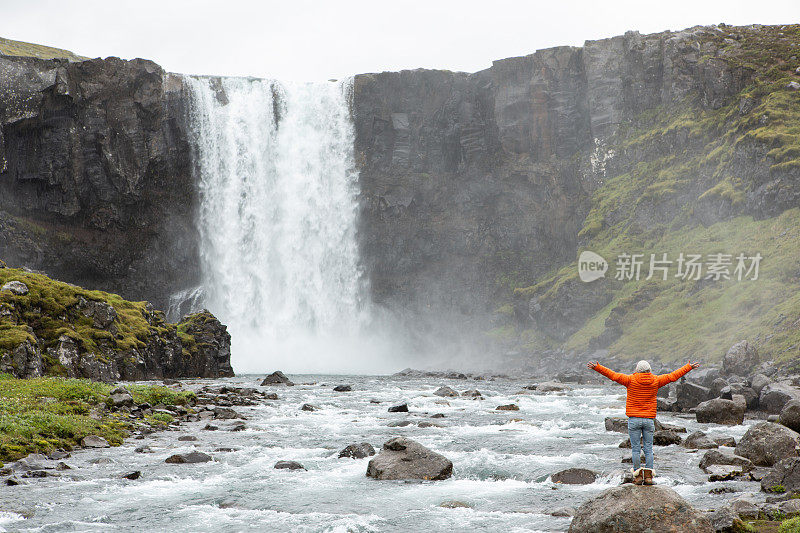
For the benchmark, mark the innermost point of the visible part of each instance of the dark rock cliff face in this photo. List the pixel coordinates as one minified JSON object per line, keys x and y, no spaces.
{"x":473,"y":184}
{"x":470,"y":182}
{"x":95,"y":174}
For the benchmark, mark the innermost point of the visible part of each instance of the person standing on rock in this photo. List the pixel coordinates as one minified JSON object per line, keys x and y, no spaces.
{"x":640,"y":407}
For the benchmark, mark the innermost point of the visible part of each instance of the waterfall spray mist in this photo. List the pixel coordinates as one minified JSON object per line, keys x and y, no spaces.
{"x":277,"y":220}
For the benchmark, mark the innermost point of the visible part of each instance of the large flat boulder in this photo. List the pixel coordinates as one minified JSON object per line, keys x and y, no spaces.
{"x":790,"y":415}
{"x":639,"y":509}
{"x":719,"y":411}
{"x":574,"y":476}
{"x":403,"y":458}
{"x":724,"y":457}
{"x":766,"y":443}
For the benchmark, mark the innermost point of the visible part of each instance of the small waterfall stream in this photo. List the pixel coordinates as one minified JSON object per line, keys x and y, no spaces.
{"x":277,"y":219}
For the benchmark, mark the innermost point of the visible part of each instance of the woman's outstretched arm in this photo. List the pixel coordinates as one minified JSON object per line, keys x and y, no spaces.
{"x":622,"y":379}
{"x":664,"y":379}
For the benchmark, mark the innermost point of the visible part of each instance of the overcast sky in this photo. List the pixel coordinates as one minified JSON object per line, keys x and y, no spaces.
{"x":315,"y":40}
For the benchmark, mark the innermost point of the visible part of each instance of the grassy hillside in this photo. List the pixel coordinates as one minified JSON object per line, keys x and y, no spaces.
{"x":693,"y":180}
{"x":9,"y":47}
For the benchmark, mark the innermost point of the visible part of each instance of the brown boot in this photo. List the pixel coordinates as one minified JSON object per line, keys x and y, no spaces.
{"x":648,"y":476}
{"x":638,"y":477}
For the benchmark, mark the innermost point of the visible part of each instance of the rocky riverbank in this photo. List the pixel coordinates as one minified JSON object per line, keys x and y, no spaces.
{"x":48,"y":327}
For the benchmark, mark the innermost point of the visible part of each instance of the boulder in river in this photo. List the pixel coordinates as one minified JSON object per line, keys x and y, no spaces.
{"x":750,"y":395}
{"x":719,"y":411}
{"x":724,"y":472}
{"x":699,"y":441}
{"x":740,"y":359}
{"x":724,"y":457}
{"x":136,"y":474}
{"x":574,"y":476}
{"x":93,"y":441}
{"x":775,"y":396}
{"x":343,"y":388}
{"x":690,"y":394}
{"x":402,"y":408}
{"x":552,"y":386}
{"x":309,"y":407}
{"x":446,"y":392}
{"x":474,"y":394}
{"x":226,"y":413}
{"x":357,"y":451}
{"x":188,"y":458}
{"x":277,"y":378}
{"x":666,"y":437}
{"x":403,"y":458}
{"x":784,"y":476}
{"x":790,"y":415}
{"x":288,"y":465}
{"x":766,"y":443}
{"x":508,"y":407}
{"x":639,"y":509}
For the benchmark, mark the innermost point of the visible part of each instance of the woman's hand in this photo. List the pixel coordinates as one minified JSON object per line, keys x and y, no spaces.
{"x":592,"y":364}
{"x":696,"y":364}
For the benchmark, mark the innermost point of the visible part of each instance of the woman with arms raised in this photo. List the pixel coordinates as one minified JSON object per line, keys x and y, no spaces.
{"x":640,"y":406}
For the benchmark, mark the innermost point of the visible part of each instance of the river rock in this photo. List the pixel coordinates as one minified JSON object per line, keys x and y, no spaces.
{"x":726,"y":441}
{"x":666,"y":437}
{"x":552,"y":386}
{"x":574,"y":476}
{"x":288,"y":465}
{"x":454,"y":504}
{"x":120,"y":397}
{"x":309,"y":407}
{"x":93,"y":441}
{"x":667,"y":404}
{"x":690,"y":394}
{"x":402,"y":408}
{"x":784,"y":476}
{"x":638,"y":509}
{"x":403,"y":458}
{"x":474,"y":394}
{"x":343,"y":388}
{"x":357,"y":451}
{"x":399,"y":424}
{"x":750,"y":395}
{"x":725,"y":520}
{"x":136,"y":474}
{"x":723,"y":472}
{"x":277,"y":378}
{"x":740,"y":359}
{"x":766,"y":443}
{"x":790,"y":415}
{"x":508,"y":407}
{"x":724,"y":457}
{"x":699,"y":441}
{"x":719,"y":411}
{"x":225,"y":413}
{"x":188,"y":458}
{"x":775,"y":396}
{"x":616,"y":423}
{"x":187,"y":438}
{"x":446,"y":391}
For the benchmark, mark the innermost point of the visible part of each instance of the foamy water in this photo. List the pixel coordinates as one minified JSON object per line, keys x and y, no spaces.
{"x":502,"y":463}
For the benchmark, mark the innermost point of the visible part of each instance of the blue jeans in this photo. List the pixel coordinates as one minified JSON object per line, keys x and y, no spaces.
{"x":641,"y":429}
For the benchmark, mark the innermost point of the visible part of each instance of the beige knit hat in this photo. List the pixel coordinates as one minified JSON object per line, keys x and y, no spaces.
{"x":642,"y":366}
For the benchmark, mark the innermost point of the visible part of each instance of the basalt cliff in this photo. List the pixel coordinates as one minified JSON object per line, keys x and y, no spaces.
{"x":477,"y":191}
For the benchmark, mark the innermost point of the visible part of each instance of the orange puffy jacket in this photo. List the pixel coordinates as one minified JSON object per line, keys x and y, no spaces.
{"x":642,"y":388}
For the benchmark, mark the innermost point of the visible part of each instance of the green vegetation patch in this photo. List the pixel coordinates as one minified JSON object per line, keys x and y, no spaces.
{"x":39,"y":415}
{"x":9,"y":47}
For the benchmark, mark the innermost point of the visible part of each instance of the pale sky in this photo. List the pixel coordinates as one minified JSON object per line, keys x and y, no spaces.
{"x":314,"y":40}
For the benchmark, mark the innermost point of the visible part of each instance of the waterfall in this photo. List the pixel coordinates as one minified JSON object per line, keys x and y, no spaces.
{"x":277,"y":220}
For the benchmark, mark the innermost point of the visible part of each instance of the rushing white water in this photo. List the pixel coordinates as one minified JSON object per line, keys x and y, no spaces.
{"x":277,"y":221}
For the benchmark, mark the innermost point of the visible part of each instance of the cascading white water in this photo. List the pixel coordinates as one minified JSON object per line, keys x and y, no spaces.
{"x":277,"y":221}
